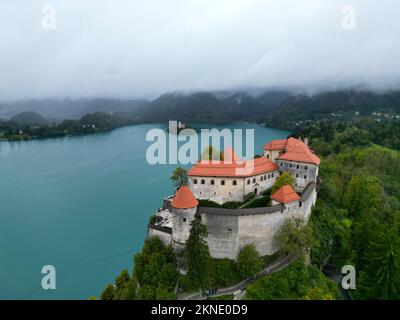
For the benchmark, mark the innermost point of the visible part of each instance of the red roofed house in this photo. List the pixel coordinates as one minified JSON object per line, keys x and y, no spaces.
{"x":231,"y":179}
{"x":184,"y":207}
{"x":285,"y":195}
{"x":274,"y":149}
{"x":296,"y":157}
{"x":184,"y":199}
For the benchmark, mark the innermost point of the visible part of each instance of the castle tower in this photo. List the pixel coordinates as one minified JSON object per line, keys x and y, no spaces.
{"x":184,"y":206}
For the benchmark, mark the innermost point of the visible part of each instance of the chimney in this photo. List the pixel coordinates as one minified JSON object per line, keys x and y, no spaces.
{"x":306,"y":141}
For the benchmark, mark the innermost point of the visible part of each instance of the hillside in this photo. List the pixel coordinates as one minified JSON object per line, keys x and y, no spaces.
{"x":348,"y":105}
{"x":29,"y":118}
{"x":280,"y":109}
{"x":60,"y":109}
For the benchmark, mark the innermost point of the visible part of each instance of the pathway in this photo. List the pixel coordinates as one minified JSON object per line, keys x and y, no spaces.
{"x":274,"y":267}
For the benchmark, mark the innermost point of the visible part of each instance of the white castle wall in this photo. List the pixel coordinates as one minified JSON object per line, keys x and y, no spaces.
{"x":302,"y":173}
{"x":273,"y":154}
{"x":181,"y":224}
{"x":165,"y":237}
{"x":222,"y":190}
{"x":217,"y":192}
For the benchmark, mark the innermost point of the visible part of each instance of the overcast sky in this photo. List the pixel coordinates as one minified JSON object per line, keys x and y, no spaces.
{"x":142,"y":48}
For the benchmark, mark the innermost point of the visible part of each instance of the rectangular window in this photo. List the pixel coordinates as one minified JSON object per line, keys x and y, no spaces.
{"x":297,"y":175}
{"x":254,"y":180}
{"x":203,"y":181}
{"x":305,"y":177}
{"x":234,"y":182}
{"x":195,"y":181}
{"x":212,"y":182}
{"x":248,"y":181}
{"x":222,"y":182}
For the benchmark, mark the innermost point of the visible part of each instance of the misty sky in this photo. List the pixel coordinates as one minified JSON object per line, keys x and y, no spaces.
{"x":132,"y":48}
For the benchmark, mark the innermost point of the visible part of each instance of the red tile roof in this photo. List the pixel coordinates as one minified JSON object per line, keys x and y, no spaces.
{"x":235,"y":168}
{"x":285,"y":194}
{"x":296,"y":150}
{"x":184,"y":199}
{"x":275,"y":145}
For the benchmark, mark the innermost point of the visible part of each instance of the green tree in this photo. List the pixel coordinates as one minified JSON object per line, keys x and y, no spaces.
{"x":128,"y":292}
{"x":284,"y":179}
{"x":122,"y":279}
{"x":198,"y":255}
{"x":155,"y":263}
{"x":362,"y":193}
{"x":108,"y":292}
{"x":318,"y":294}
{"x":179,"y":177}
{"x":248,"y":261}
{"x":294,"y":235}
{"x":225,"y":273}
{"x":211,"y":153}
{"x":384,"y":267}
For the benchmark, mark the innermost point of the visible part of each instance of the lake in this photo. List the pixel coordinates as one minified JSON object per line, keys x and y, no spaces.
{"x":82,"y":205}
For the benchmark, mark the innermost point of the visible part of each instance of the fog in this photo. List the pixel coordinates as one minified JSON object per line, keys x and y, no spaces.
{"x":140,"y":49}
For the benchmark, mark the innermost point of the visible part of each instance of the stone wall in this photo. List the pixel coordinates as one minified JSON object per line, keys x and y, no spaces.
{"x":302,"y":173}
{"x":229,"y":230}
{"x":181,"y":224}
{"x":165,"y":234}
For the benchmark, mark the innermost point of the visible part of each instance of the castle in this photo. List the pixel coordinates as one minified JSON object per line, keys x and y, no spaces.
{"x":232,"y":180}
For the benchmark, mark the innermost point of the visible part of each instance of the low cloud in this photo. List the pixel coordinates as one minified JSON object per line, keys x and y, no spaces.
{"x":127,"y":49}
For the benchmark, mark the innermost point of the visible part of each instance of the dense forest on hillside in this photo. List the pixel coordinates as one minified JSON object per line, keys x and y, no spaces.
{"x":357,"y":217}
{"x":30,"y":125}
{"x":339,"y":106}
{"x":274,"y":108}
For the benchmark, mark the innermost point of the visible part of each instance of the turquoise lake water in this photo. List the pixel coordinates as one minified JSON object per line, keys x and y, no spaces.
{"x":82,"y":205}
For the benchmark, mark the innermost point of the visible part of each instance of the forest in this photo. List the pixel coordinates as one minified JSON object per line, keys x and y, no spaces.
{"x":357,"y":217}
